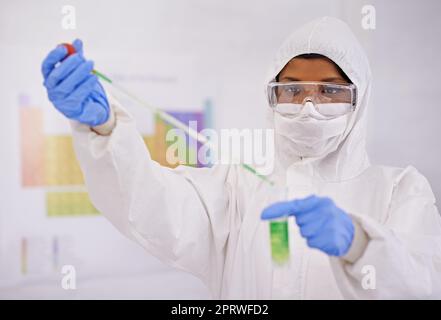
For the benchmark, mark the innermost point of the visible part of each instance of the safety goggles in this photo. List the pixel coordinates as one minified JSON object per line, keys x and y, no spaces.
{"x":329,"y":99}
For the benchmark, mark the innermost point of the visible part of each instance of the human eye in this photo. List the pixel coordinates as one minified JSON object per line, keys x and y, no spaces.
{"x":292,"y":90}
{"x":331,"y":90}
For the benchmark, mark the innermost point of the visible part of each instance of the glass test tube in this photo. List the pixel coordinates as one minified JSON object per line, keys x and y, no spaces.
{"x":279,"y":235}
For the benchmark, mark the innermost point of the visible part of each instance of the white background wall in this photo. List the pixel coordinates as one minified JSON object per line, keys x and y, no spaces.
{"x":217,"y":49}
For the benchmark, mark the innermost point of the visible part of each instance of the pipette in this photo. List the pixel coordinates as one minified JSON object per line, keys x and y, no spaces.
{"x":164,"y":115}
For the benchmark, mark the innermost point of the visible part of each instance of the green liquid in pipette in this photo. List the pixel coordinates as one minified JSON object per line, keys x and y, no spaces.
{"x":109,"y":81}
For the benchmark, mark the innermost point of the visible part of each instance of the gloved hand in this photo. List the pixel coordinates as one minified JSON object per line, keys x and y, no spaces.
{"x":324,"y":225}
{"x":72,"y":88}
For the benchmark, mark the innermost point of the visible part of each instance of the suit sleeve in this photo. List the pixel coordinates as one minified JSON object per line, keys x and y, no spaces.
{"x":179,"y":215}
{"x":403,"y":256}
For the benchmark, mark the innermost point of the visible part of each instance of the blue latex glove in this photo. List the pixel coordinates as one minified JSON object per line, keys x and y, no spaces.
{"x":324,"y":225}
{"x":72,"y":88}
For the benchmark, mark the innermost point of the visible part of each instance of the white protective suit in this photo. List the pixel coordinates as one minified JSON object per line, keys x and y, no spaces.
{"x":207,"y":220}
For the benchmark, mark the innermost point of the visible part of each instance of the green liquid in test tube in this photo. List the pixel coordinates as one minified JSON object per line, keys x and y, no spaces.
{"x":279,"y":237}
{"x":279,"y":240}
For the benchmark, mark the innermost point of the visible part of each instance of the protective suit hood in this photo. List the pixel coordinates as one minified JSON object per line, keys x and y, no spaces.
{"x":332,"y":38}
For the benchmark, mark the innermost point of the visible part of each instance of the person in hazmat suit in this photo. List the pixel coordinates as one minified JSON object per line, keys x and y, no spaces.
{"x":359,"y":231}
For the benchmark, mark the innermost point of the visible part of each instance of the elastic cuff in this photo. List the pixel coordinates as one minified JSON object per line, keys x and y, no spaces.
{"x":359,"y":244}
{"x":106,"y":128}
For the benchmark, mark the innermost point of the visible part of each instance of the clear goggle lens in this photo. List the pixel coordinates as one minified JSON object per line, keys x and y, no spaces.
{"x":329,"y":99}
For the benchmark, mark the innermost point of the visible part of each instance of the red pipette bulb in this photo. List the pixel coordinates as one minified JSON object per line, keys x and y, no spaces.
{"x":70,"y":49}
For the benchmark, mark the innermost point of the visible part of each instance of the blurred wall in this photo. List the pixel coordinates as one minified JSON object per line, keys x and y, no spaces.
{"x":404,"y":111}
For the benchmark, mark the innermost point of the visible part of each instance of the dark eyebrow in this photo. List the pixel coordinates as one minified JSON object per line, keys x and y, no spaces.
{"x":289,"y":79}
{"x":333,"y":79}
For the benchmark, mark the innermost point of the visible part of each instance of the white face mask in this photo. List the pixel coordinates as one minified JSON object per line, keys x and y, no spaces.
{"x":307,"y":135}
